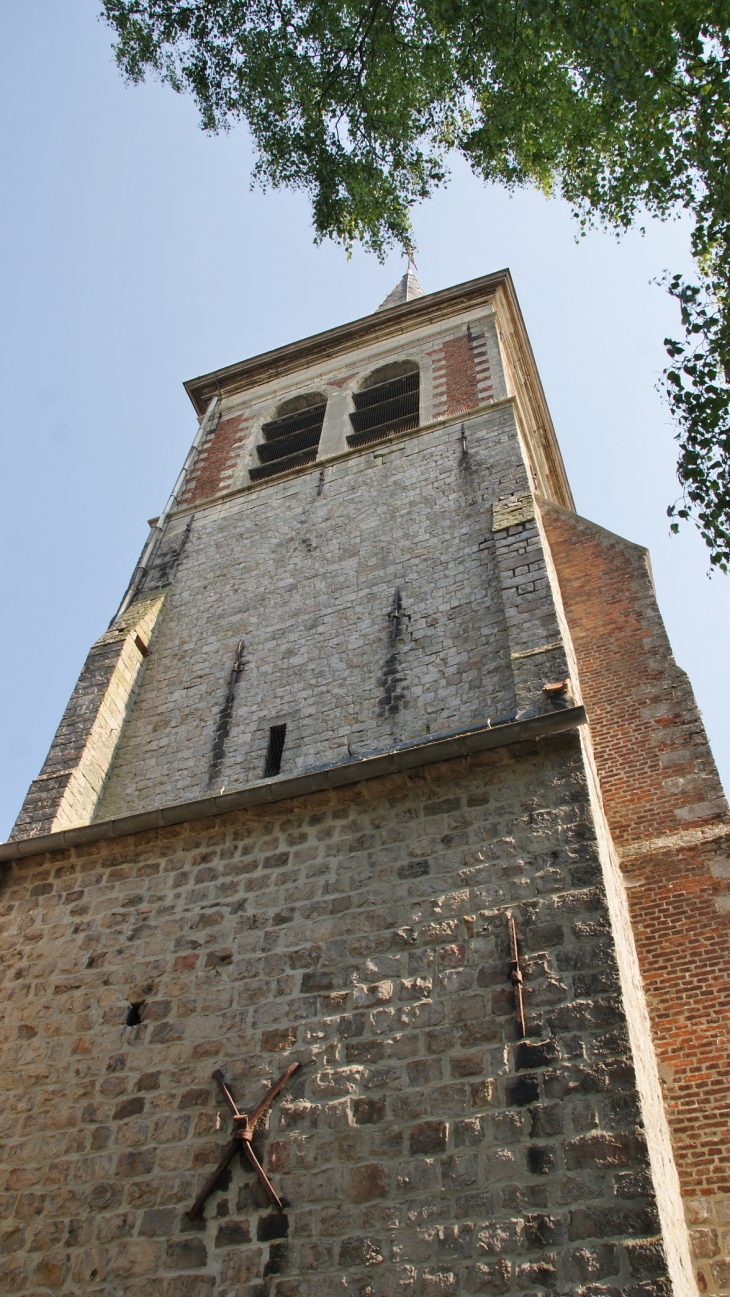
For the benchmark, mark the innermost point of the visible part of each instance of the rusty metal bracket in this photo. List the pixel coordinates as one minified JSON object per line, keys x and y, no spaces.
{"x":245,"y":1123}
{"x":394,"y":616}
{"x":238,"y":663}
{"x":516,"y":977}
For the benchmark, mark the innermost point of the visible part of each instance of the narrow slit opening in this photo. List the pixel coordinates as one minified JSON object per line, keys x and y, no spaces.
{"x":277,"y":735}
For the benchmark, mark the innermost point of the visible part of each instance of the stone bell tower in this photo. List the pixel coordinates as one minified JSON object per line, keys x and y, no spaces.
{"x":366,"y":930}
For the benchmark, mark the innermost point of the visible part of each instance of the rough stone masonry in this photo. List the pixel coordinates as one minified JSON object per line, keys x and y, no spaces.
{"x":423,"y":1148}
{"x":418,"y":621}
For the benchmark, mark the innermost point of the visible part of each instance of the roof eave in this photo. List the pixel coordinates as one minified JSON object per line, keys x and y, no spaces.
{"x":320,"y":346}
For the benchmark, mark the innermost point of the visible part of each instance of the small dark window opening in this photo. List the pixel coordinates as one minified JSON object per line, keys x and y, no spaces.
{"x":277,"y":735}
{"x":133,"y":1019}
{"x":292,"y":438}
{"x":387,"y":403}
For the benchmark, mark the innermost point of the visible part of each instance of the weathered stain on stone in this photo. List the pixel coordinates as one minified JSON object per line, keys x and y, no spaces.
{"x":391,"y":681}
{"x":167,"y":557}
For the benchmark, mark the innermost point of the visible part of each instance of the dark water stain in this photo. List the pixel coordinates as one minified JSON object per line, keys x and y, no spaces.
{"x":223,"y":726}
{"x":393,"y":697}
{"x":466,"y":468}
{"x":166,"y":560}
{"x":222,"y":730}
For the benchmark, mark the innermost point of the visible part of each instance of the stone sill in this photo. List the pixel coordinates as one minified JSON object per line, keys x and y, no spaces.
{"x":408,"y":756}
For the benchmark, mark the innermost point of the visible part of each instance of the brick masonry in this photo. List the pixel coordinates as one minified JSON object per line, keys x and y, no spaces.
{"x":467,"y":370}
{"x":455,"y":380}
{"x":219,"y":455}
{"x":668,"y":817}
{"x":422,"y":1149}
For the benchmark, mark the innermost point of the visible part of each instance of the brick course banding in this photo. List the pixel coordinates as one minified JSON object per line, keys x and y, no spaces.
{"x":216,"y":463}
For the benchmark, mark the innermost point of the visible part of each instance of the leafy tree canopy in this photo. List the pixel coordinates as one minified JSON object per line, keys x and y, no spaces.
{"x":620,"y":107}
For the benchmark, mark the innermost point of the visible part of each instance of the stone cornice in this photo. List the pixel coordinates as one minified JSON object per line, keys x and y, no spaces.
{"x":408,"y":756}
{"x":495,"y":290}
{"x":429,"y":309}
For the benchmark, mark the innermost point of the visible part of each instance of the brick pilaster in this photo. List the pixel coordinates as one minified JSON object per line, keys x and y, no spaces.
{"x":668,"y":818}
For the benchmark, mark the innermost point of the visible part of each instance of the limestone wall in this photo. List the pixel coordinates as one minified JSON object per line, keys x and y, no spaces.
{"x":297,"y":583}
{"x":423,"y":1149}
{"x":305,"y":574}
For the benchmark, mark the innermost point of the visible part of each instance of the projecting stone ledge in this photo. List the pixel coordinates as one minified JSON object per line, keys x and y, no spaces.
{"x":409,"y":756}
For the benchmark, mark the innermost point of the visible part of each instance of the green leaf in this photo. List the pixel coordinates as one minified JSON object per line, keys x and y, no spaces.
{"x":621,"y":108}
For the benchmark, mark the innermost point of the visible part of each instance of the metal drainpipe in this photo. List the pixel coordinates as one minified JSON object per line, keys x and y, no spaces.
{"x":157,"y":531}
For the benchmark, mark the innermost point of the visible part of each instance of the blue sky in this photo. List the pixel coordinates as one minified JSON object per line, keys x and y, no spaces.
{"x":134,"y":255}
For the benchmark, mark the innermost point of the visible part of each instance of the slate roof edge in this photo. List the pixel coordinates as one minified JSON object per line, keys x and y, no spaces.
{"x":407,"y":756}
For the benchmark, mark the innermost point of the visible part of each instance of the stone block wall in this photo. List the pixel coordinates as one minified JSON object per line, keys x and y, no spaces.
{"x":306,"y":575}
{"x":423,"y":1148}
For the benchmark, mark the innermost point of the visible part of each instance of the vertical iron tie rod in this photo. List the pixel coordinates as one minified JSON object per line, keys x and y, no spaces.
{"x":516,"y":977}
{"x":394,"y":616}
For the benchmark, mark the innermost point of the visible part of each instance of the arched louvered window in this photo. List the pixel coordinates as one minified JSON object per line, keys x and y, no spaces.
{"x":386,"y":403}
{"x":292,"y":438}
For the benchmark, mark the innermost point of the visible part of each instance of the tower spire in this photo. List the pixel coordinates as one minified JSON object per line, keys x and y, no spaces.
{"x":407,"y":287}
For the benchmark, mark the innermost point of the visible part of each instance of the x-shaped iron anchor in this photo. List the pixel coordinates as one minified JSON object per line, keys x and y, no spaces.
{"x":245,"y":1123}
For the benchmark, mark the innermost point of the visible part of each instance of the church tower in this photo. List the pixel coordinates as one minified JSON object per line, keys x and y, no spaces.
{"x":365,"y":933}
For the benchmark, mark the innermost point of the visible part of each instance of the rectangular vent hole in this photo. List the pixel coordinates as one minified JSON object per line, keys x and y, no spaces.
{"x":277,"y":735}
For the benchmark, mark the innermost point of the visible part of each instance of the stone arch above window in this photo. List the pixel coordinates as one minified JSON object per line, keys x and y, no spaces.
{"x":292,"y":437}
{"x":387,"y":402}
